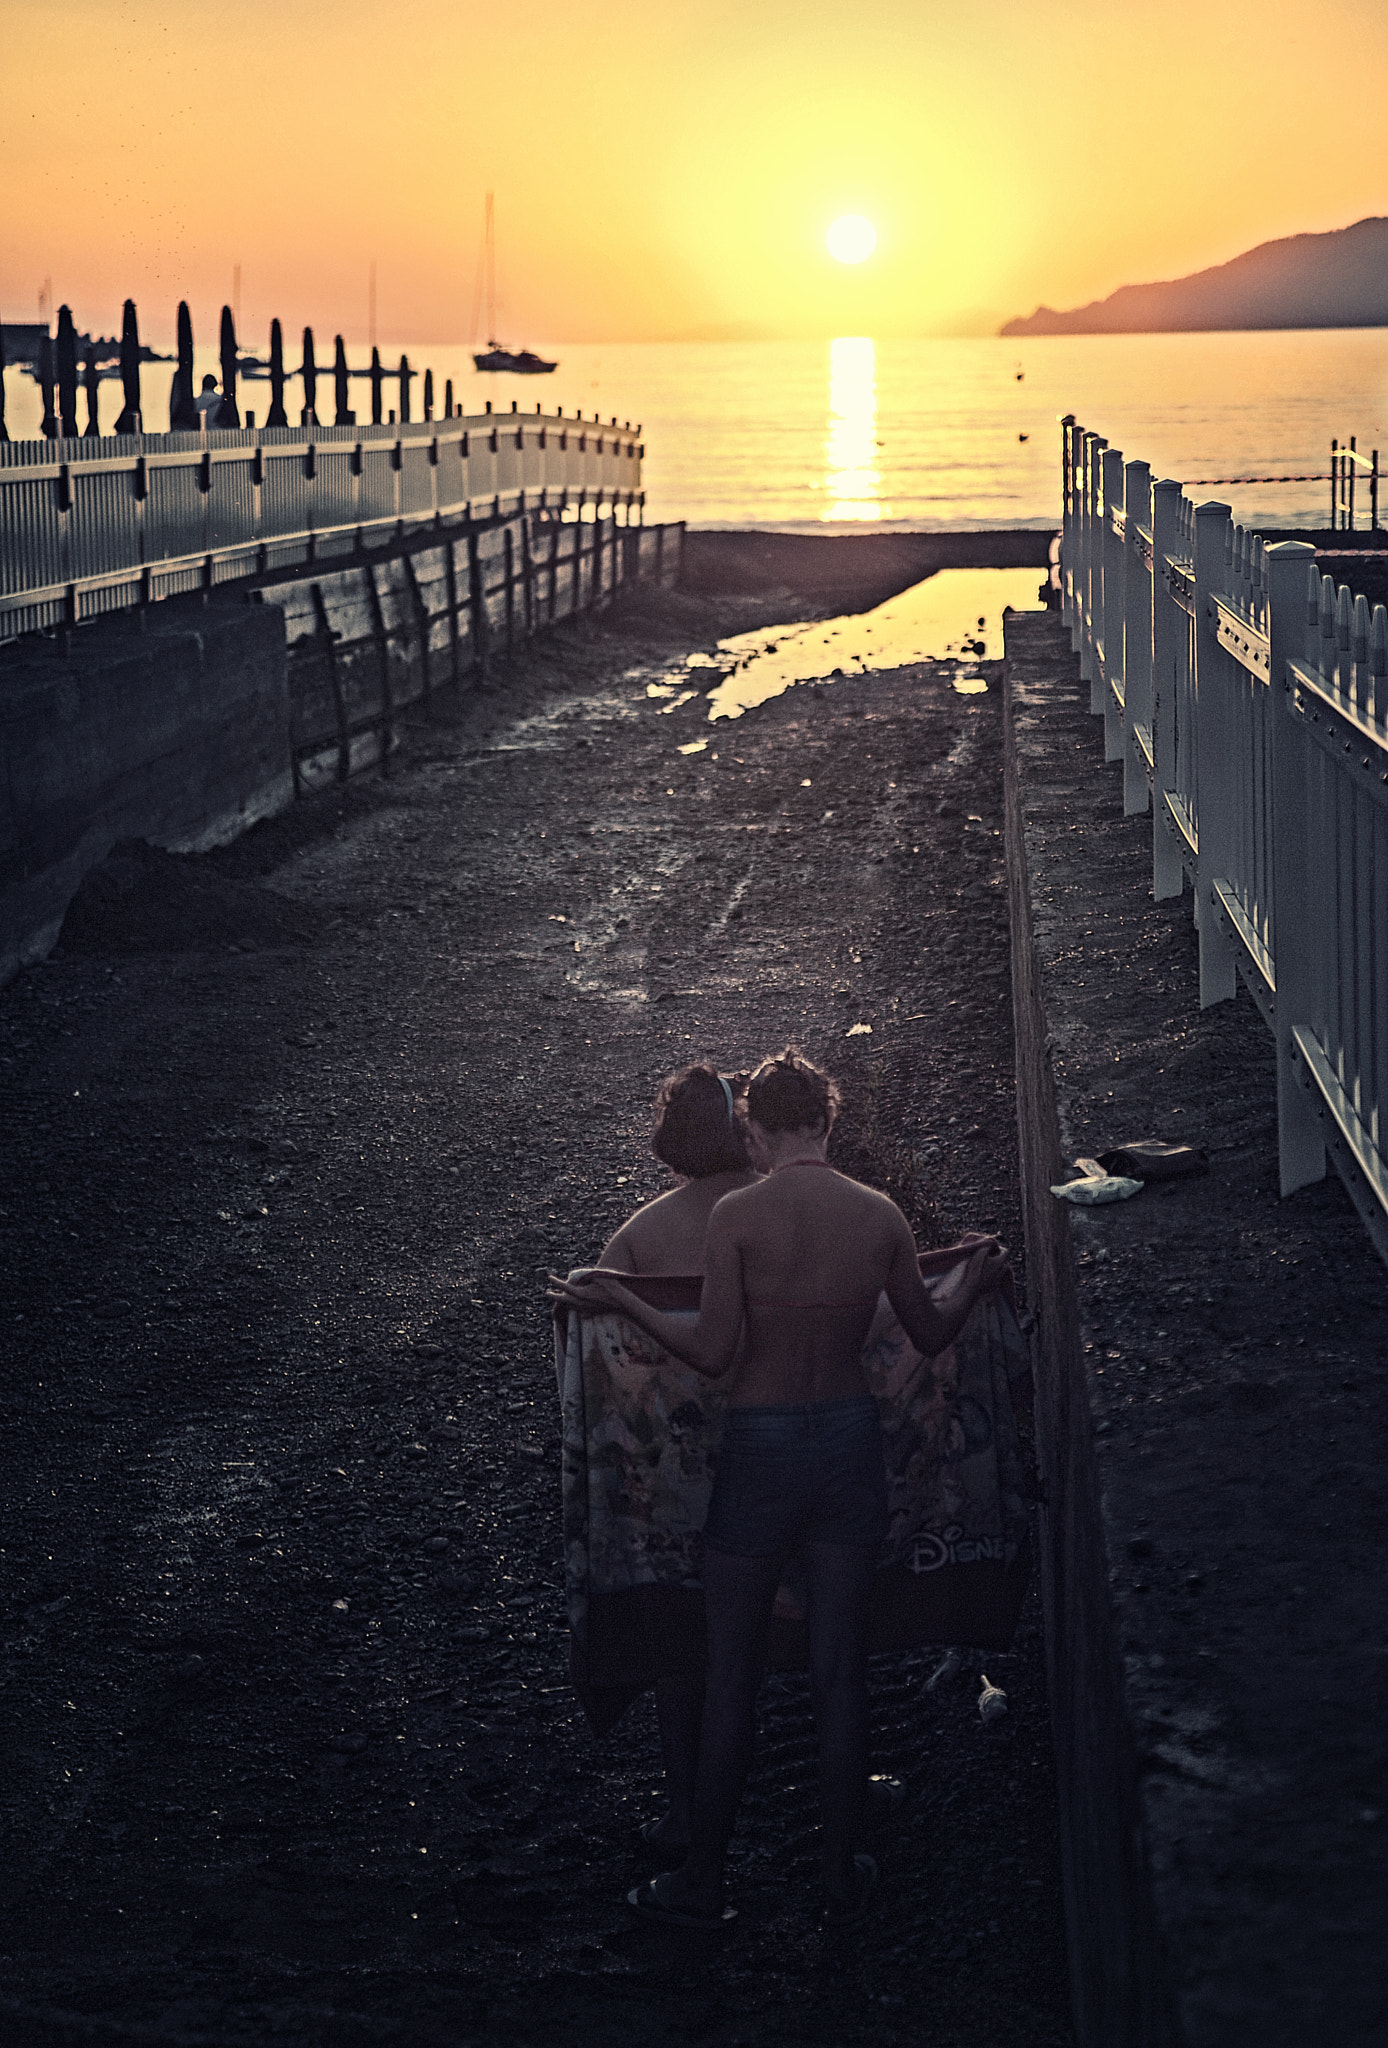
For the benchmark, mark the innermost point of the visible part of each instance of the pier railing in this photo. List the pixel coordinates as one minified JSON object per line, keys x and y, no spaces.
{"x":1247,"y":699}
{"x":92,"y":525}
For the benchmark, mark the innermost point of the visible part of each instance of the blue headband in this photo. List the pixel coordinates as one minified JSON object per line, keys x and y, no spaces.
{"x":727,"y":1096}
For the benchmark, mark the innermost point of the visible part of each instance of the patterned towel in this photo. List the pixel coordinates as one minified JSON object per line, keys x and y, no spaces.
{"x":641,"y":1440}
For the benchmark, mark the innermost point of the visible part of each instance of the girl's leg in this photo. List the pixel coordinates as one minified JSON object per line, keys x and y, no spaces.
{"x":739,"y":1593}
{"x":840,"y":1589}
{"x":679,"y":1710}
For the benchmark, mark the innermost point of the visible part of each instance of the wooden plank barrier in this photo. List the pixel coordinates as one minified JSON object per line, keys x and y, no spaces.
{"x":369,"y":639}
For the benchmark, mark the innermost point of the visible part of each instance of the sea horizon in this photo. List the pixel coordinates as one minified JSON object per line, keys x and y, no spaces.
{"x":856,"y":434}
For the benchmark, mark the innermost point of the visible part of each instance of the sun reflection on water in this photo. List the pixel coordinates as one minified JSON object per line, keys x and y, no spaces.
{"x":852,"y":481}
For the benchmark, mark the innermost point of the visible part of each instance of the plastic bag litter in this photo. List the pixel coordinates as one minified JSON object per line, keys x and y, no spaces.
{"x":1096,"y":1186}
{"x":992,"y":1701}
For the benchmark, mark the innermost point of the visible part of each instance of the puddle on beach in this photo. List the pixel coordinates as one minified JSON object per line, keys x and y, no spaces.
{"x":955,"y":615}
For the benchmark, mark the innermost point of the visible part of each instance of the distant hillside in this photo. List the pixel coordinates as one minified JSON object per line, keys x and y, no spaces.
{"x":1334,"y":280}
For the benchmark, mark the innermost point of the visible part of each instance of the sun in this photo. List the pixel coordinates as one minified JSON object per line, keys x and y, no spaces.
{"x":851,"y":238}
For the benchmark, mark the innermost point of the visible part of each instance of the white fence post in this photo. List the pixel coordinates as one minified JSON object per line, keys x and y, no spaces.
{"x":1138,"y":572}
{"x":1294,"y":634}
{"x":1068,"y":538}
{"x":1094,"y":445}
{"x":1168,"y":620}
{"x":1115,"y":606}
{"x":1215,"y":752}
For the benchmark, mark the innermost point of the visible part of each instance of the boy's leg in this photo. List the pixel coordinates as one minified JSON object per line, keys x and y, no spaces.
{"x":840,"y":1588}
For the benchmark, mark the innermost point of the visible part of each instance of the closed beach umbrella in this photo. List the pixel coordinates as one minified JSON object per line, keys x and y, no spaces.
{"x":67,"y":373}
{"x":342,"y":397}
{"x":448,"y":399}
{"x":428,"y":394}
{"x":129,"y":421}
{"x":378,"y":377}
{"x":91,"y":384}
{"x":309,"y":373}
{"x":49,"y":429}
{"x":4,"y":430}
{"x":276,"y":416}
{"x":405,"y":375}
{"x":229,"y":416}
{"x":183,"y":410}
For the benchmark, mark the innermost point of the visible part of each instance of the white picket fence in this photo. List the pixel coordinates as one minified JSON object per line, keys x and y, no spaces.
{"x":93,"y":525}
{"x":1247,"y":699}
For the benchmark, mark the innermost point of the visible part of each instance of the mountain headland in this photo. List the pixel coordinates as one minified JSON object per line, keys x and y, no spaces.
{"x":1333,"y":280}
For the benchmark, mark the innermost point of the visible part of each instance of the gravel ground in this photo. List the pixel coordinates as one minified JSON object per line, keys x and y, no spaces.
{"x":292,"y":1134}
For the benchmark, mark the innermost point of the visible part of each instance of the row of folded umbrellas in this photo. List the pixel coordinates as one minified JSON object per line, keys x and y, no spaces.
{"x":58,"y":376}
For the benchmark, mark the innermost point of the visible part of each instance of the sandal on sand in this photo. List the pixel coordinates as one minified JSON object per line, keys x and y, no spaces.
{"x":848,"y":1912}
{"x":646,"y":1900}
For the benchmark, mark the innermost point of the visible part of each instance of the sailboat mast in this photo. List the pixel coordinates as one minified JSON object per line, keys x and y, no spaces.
{"x":491,"y":269}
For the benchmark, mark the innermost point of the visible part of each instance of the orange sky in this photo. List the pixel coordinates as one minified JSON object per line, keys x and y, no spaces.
{"x":668,"y":169}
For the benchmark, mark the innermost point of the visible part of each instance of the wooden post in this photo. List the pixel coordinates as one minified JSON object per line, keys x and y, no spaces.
{"x":276,"y":416}
{"x":344,"y":734}
{"x":4,"y":430}
{"x":378,"y":377}
{"x":508,"y":558}
{"x":477,"y":604}
{"x":451,"y":571}
{"x":428,"y":394}
{"x":405,"y":373}
{"x":448,"y":398}
{"x":527,"y":579}
{"x":660,"y":556}
{"x":380,"y":636}
{"x":1353,"y":466}
{"x":1216,"y":752}
{"x":228,"y":414}
{"x":1373,"y":494}
{"x":555,"y":533}
{"x":1334,"y":481}
{"x":423,"y":624}
{"x":1293,"y":620}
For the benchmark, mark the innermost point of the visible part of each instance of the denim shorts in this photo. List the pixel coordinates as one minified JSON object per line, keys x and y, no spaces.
{"x":809,"y":1473}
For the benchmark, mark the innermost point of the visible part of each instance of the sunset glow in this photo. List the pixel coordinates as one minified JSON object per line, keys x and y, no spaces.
{"x":659,"y":174}
{"x":851,"y":238}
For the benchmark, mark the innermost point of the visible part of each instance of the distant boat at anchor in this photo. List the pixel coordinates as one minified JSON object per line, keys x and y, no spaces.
{"x":519,"y":362}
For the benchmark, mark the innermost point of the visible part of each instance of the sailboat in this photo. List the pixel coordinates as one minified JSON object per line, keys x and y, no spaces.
{"x":521,"y":362}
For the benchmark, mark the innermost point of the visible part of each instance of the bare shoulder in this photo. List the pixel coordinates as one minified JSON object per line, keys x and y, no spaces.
{"x":634,"y":1230}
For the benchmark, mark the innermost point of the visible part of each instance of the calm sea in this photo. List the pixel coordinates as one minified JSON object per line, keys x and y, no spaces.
{"x":925,"y":434}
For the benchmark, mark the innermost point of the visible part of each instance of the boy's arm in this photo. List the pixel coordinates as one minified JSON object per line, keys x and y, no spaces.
{"x":930,"y":1328}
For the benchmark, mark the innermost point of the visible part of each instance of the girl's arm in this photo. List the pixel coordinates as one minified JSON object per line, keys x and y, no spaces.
{"x":710,"y":1344}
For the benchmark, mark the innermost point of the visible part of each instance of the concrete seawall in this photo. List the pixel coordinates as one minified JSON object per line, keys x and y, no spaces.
{"x":172,"y":726}
{"x":185,"y":723}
